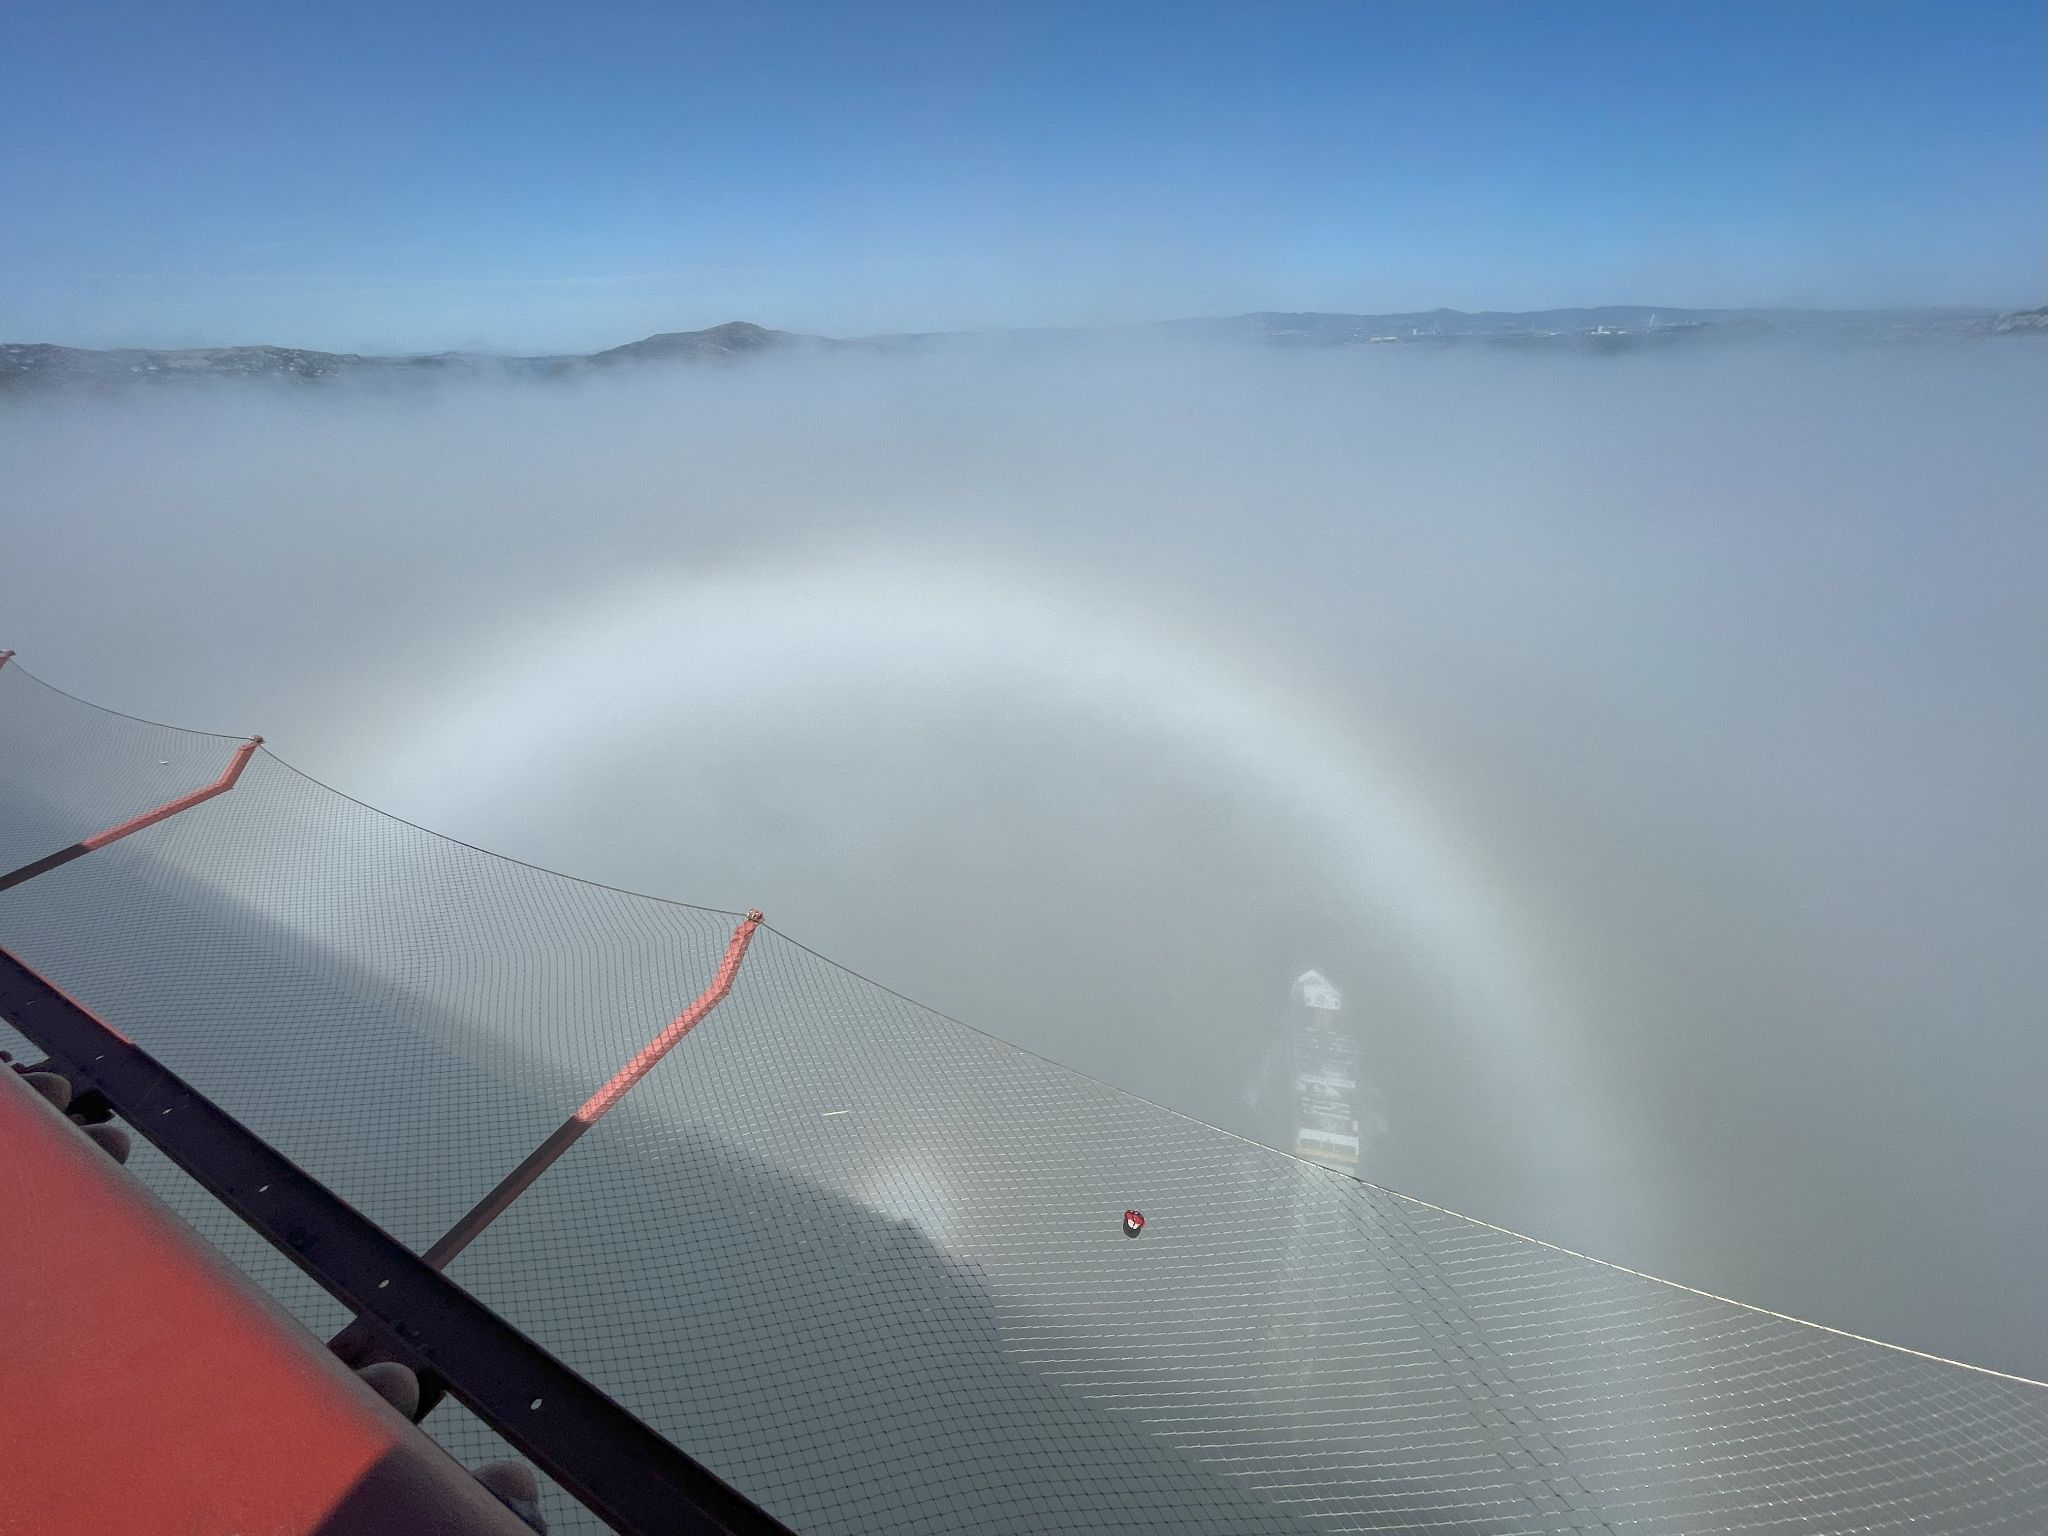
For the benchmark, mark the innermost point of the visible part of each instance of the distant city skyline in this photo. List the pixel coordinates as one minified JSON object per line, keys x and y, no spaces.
{"x":512,"y":178}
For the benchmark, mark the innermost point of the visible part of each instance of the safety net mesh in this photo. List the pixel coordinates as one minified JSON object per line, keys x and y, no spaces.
{"x":869,"y":1265}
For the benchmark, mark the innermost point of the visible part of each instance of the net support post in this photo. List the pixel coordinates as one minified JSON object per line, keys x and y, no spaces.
{"x":78,"y":850}
{"x":360,"y":1342}
{"x":594,"y":1108}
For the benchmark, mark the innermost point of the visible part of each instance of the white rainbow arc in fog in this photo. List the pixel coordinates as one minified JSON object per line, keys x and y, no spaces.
{"x":526,"y":718}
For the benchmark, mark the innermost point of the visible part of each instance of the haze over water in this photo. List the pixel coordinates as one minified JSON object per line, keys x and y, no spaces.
{"x":1649,"y":746}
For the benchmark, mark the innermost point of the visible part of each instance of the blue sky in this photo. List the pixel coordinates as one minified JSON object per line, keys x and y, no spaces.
{"x":525,"y":176}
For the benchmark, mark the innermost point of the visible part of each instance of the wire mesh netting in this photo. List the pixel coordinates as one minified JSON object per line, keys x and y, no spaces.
{"x":868,"y":1264}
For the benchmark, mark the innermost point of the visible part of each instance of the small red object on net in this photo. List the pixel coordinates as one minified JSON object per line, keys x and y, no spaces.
{"x":1134,"y":1223}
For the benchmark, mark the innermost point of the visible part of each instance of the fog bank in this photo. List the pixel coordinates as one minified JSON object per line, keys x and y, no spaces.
{"x":1650,"y":746}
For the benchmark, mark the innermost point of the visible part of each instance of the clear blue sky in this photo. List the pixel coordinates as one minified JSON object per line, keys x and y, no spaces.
{"x":524,"y":176}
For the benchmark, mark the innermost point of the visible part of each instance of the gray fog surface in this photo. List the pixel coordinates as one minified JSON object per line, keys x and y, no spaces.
{"x":1650,"y":746}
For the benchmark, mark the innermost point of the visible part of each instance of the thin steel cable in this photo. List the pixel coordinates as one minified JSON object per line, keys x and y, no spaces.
{"x":14,"y":665}
{"x":504,"y":858}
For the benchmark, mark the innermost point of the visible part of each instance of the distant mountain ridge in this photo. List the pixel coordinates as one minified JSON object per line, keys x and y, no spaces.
{"x":29,"y":365}
{"x":736,"y":338}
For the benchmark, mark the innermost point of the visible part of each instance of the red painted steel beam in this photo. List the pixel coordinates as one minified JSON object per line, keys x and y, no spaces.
{"x":603,"y":1456}
{"x":149,"y":1387}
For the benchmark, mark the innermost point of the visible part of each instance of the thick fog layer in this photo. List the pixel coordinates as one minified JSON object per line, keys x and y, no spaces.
{"x":1650,"y":747}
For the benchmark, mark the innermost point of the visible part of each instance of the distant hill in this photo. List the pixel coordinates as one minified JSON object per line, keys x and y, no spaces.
{"x":1624,"y":324}
{"x":31,"y":366}
{"x":736,"y":338}
{"x":26,"y":364}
